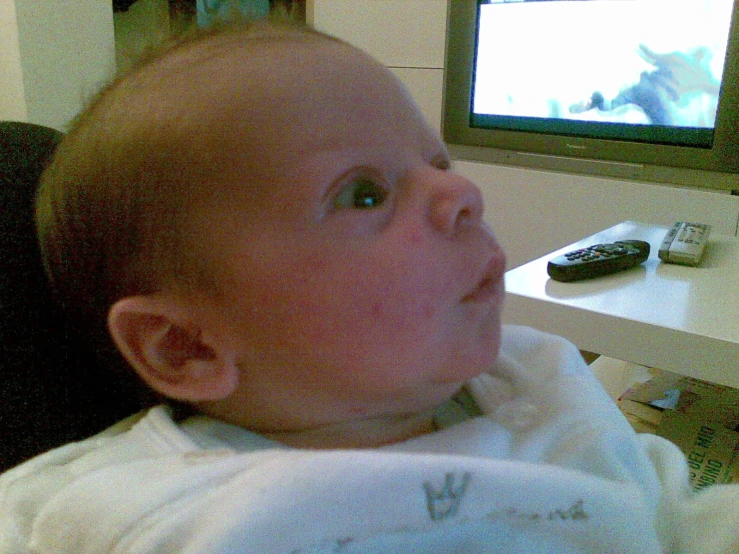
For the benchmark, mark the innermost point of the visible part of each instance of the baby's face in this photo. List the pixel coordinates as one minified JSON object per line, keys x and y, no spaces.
{"x":357,"y":276}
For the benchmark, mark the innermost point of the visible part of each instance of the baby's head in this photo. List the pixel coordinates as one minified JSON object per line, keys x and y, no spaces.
{"x":272,"y":233}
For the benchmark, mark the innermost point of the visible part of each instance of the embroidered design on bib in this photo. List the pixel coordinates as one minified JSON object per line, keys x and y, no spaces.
{"x":444,"y":503}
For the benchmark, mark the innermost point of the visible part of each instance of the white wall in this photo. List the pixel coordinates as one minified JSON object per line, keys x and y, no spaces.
{"x":532,"y":211}
{"x":12,"y":99}
{"x":54,"y":55}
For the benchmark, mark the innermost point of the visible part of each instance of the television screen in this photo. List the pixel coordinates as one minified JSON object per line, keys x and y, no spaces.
{"x":645,"y":89}
{"x":650,"y":69}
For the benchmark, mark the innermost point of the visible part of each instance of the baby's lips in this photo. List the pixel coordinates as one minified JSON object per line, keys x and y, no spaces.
{"x":489,"y":283}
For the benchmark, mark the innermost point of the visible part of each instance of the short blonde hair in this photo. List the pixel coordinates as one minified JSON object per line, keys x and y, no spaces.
{"x":112,"y":205}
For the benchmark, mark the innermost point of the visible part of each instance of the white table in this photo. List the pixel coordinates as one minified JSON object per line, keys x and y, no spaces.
{"x":678,"y":318}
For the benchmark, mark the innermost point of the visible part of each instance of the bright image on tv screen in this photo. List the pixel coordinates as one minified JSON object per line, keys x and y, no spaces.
{"x":643,"y":62}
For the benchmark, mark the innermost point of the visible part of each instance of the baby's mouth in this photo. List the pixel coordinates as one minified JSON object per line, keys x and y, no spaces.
{"x":489,"y":286}
{"x":484,"y":291}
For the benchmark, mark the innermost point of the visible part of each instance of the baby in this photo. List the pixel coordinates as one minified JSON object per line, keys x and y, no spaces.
{"x":278,"y":240}
{"x":273,"y":237}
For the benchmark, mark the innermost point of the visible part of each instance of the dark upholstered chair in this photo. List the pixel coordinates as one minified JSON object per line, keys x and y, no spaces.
{"x":53,"y":388}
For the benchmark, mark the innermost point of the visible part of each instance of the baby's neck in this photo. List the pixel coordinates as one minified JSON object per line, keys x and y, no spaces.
{"x":369,"y":433}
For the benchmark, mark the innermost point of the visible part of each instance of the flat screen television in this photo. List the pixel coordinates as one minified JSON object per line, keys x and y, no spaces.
{"x":636,"y":89}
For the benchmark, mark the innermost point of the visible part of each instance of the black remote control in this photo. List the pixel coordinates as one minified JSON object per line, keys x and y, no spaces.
{"x":597,"y":260}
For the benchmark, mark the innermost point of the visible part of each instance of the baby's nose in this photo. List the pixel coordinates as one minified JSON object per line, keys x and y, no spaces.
{"x":456,"y":202}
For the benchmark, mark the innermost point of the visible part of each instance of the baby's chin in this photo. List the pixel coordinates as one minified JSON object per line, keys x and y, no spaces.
{"x":475,"y":363}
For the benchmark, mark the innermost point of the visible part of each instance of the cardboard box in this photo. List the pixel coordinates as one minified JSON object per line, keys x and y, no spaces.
{"x":693,"y":397}
{"x":712,"y":450}
{"x":701,"y":418}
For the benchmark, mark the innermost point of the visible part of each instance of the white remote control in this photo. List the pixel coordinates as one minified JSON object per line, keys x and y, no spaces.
{"x":684,"y":243}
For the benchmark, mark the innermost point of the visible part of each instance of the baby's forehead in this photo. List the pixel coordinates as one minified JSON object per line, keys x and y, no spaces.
{"x":246,"y":70}
{"x":226,"y":78}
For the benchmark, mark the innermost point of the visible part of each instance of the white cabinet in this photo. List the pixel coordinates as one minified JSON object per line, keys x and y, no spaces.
{"x":426,"y":86}
{"x":399,"y":33}
{"x":407,"y":36}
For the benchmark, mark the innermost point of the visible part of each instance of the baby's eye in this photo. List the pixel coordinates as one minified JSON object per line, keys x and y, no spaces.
{"x":360,"y":194}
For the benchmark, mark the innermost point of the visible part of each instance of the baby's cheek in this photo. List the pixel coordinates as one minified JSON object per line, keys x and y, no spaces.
{"x":401,"y":315}
{"x":409,"y":304}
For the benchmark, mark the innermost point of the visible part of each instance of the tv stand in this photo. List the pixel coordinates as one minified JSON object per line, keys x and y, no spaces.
{"x":677,"y":318}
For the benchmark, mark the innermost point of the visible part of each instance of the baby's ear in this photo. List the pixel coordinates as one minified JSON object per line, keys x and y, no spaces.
{"x":169,"y":351}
